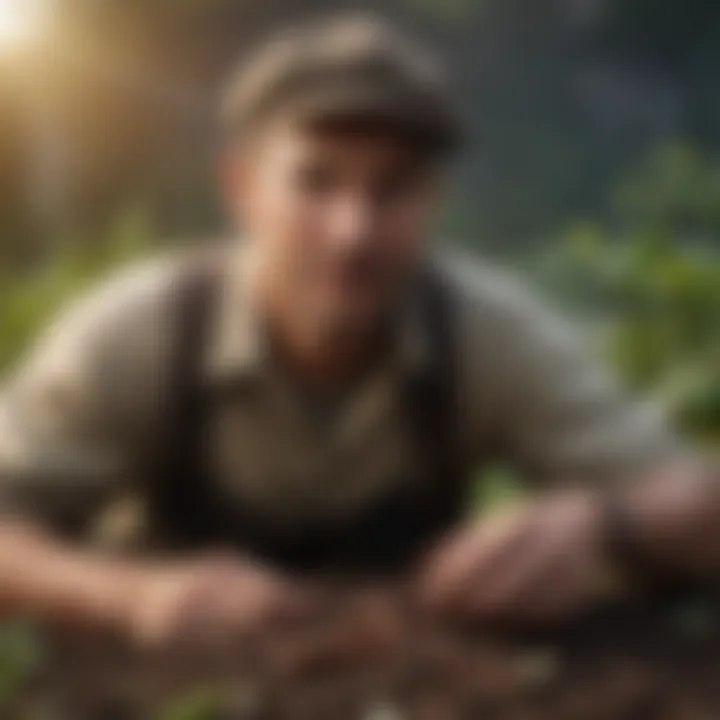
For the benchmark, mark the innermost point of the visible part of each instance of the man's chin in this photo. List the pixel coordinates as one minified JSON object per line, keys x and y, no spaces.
{"x":343,"y":305}
{"x":349,"y":321}
{"x":356,"y":311}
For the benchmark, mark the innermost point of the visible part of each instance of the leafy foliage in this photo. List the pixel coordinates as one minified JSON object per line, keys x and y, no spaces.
{"x":20,"y":657}
{"x":28,"y":301}
{"x":652,"y":284}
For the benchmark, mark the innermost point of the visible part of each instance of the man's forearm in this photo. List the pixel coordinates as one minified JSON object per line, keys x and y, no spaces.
{"x":42,"y":578}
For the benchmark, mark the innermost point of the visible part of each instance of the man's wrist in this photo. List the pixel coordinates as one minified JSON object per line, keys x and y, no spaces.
{"x":659,"y":530}
{"x":627,"y":567}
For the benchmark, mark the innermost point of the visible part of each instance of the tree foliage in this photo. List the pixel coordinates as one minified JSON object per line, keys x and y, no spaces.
{"x":652,"y":283}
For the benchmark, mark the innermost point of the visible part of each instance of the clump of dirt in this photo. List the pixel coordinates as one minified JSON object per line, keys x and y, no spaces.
{"x":371,"y":656}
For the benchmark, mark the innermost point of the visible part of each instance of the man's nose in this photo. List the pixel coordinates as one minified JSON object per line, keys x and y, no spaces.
{"x":354,"y":222}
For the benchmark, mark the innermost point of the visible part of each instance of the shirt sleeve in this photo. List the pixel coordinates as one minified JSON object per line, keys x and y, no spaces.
{"x":68,"y":411}
{"x":557,"y":412}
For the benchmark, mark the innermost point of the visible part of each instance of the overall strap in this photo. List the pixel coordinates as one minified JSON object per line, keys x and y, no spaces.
{"x":431,"y":406}
{"x":431,"y":398}
{"x":178,"y":505}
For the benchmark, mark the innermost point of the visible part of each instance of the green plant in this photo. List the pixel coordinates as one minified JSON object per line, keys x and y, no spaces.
{"x":20,"y":657}
{"x":650,"y":284}
{"x":29,"y":300}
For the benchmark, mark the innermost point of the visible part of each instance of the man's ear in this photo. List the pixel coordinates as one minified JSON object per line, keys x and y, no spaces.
{"x":233,"y":180}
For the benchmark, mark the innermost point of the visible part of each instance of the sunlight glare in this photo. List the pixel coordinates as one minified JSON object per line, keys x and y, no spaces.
{"x":19,"y":22}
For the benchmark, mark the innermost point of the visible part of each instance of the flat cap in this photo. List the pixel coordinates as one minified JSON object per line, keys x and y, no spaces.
{"x":349,"y":66}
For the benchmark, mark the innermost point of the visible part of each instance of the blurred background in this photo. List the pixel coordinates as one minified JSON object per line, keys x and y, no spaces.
{"x":593,"y":163}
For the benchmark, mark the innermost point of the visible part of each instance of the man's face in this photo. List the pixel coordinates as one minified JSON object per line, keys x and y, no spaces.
{"x":338,"y":215}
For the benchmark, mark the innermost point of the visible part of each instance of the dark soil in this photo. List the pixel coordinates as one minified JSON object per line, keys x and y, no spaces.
{"x":371,"y":657}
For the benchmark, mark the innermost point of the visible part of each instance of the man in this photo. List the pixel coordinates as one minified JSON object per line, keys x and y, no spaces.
{"x":318,"y":396}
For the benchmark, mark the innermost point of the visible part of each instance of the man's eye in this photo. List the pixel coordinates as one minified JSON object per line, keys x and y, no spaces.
{"x":396,"y":188}
{"x":316,"y":180}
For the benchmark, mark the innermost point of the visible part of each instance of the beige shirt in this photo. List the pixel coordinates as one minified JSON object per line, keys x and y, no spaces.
{"x":76,"y":415}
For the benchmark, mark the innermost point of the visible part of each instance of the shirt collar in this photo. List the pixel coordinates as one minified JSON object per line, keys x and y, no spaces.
{"x":238,"y":348}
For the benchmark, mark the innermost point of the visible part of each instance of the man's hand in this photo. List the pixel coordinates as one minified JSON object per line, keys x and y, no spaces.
{"x":538,"y":561}
{"x":209,"y":601}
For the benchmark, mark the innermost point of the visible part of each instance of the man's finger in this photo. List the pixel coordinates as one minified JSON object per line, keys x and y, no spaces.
{"x":542,"y":557}
{"x":473,"y":558}
{"x":290,"y":603}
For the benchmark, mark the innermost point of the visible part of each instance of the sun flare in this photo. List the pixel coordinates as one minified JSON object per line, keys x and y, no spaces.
{"x":19,"y":21}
